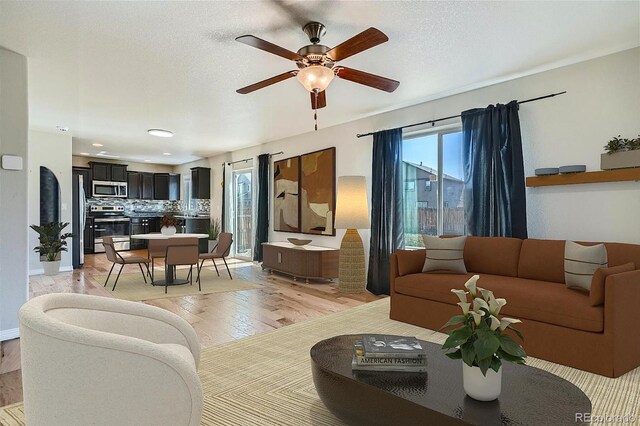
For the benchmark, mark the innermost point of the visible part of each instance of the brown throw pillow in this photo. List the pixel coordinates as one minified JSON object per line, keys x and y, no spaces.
{"x":596,"y":295}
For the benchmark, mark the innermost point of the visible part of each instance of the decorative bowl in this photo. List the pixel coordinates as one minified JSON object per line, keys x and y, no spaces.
{"x":298,"y":242}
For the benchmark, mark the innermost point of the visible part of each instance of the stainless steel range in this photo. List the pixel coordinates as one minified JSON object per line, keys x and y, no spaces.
{"x":110,"y":221}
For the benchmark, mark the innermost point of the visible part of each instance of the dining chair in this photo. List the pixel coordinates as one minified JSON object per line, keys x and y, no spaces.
{"x":116,"y":258}
{"x":220,"y":251}
{"x":156,"y":249}
{"x":180,"y":252}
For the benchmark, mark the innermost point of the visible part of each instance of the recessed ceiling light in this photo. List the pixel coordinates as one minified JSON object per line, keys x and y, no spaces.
{"x":62,"y":128}
{"x":84,"y":153}
{"x":147,"y":161}
{"x":104,"y":154}
{"x":160,"y":132}
{"x":166,"y":153}
{"x":97,"y":144}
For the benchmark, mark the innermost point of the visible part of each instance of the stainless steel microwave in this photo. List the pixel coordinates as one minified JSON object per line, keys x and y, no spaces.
{"x":109,"y":189}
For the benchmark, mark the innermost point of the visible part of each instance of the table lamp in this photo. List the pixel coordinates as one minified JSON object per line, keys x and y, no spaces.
{"x":352,"y":213}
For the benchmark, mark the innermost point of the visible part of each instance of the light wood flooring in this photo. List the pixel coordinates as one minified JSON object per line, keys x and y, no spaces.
{"x":217,"y":318}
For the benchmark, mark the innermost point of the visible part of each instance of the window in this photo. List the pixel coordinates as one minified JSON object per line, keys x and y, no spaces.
{"x":437,"y":207}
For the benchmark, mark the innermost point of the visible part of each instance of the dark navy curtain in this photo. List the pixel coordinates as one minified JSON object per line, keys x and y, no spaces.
{"x":387,"y":228}
{"x":494,"y":192}
{"x":262,"y":211}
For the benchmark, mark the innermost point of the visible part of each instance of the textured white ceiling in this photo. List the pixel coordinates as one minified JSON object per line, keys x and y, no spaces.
{"x":111,"y":70}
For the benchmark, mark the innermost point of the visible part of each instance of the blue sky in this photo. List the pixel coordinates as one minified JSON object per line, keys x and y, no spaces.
{"x":425,"y":149}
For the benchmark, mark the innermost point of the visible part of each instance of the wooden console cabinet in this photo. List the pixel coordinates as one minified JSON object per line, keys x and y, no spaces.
{"x":308,"y":262}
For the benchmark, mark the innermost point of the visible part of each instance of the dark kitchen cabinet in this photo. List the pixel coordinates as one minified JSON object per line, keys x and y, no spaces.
{"x":199,"y":225}
{"x":139,"y":225}
{"x":201,"y":183}
{"x":109,"y":172}
{"x":86,"y":179}
{"x":140,"y":185}
{"x":166,"y":186}
{"x":154,"y":224}
{"x":88,"y":236}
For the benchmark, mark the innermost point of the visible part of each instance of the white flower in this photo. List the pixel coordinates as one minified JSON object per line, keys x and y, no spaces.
{"x":465,"y":307}
{"x":471,"y":285}
{"x":495,"y":323}
{"x":495,"y":305}
{"x":486,"y":294}
{"x":479,"y":303}
{"x":477,"y":317}
{"x":462,"y":295}
{"x":506,"y":322}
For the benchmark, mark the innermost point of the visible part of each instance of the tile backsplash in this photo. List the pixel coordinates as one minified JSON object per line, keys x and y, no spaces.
{"x":154,"y":206}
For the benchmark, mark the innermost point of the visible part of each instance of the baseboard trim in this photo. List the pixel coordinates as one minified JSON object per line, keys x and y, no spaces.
{"x":41,"y":270}
{"x":12,"y":333}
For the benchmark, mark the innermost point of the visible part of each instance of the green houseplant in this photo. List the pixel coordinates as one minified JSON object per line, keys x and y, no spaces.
{"x":481,"y":341}
{"x":168,"y":224}
{"x":621,"y":153}
{"x":52,"y":243}
{"x":213,"y":229}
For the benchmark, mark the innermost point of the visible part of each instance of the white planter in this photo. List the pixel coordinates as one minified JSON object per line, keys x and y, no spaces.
{"x":620,"y":160}
{"x":51,"y":268}
{"x":168,"y":230}
{"x":480,"y":387}
{"x":212,"y":244}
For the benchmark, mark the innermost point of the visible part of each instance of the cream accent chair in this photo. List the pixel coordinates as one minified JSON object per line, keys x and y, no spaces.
{"x":90,"y":360}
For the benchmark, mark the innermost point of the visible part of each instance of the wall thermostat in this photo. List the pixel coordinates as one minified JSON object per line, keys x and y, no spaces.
{"x":11,"y":162}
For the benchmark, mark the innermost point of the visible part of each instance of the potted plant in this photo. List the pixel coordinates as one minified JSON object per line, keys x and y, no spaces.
{"x":481,"y":341}
{"x":621,"y":153}
{"x":52,"y":243}
{"x":213,"y":229}
{"x":168,"y":224}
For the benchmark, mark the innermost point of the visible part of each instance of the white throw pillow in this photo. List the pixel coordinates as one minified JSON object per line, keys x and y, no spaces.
{"x":444,"y":254}
{"x":581,"y":262}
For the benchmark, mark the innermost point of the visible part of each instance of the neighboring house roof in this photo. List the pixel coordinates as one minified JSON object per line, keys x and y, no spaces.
{"x":431,"y":171}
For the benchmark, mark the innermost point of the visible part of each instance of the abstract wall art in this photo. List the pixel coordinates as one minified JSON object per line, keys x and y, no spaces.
{"x":317,"y":192}
{"x":286,"y":205}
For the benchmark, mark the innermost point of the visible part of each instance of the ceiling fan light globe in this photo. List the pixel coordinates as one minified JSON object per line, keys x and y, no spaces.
{"x":315,"y":77}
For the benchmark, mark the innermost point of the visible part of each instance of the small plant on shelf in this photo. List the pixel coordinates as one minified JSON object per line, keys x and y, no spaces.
{"x":616,"y":144}
{"x":168,"y":220}
{"x":633,"y":144}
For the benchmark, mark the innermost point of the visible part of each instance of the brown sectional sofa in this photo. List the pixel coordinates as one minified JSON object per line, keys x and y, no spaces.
{"x":559,"y":324}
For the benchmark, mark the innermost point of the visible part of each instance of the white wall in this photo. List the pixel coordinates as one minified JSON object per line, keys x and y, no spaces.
{"x":14,"y":125}
{"x":51,"y":150}
{"x":80,"y":161}
{"x":603,"y":100}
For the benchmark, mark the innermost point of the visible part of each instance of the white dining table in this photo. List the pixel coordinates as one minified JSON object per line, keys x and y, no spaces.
{"x":169,"y":272}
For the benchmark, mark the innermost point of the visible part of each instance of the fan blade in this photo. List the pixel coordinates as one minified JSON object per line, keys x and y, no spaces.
{"x":322,"y":100}
{"x":367,"y":79}
{"x":267,"y":82}
{"x":363,"y":41}
{"x":258,"y":43}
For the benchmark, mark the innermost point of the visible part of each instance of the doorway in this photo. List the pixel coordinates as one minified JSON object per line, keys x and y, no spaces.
{"x":243,"y":213}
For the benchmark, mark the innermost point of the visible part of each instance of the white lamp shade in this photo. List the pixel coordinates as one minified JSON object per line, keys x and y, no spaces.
{"x":315,"y":77}
{"x":352,"y":209}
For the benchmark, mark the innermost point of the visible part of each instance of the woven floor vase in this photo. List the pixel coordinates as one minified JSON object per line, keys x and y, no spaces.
{"x":352,"y":278}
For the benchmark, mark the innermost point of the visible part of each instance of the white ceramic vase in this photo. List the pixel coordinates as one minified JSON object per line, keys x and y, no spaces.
{"x":51,"y":268}
{"x":479,"y":386}
{"x":168,"y":230}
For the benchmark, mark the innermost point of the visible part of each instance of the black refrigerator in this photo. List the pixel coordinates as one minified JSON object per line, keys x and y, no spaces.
{"x":78,"y":218}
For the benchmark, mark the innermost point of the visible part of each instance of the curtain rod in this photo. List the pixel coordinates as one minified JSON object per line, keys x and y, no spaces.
{"x":432,"y":122}
{"x":247,"y":159}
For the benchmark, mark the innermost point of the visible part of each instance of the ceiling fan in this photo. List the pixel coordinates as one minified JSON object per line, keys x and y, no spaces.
{"x":317,"y":64}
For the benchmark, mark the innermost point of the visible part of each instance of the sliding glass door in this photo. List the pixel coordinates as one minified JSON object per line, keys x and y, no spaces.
{"x":243,"y":213}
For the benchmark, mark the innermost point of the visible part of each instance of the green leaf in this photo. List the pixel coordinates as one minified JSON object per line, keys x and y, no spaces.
{"x":510,"y":358}
{"x":517,"y":332}
{"x":495,"y":363}
{"x":468,"y":353}
{"x":484,"y":365}
{"x":487,"y":344}
{"x":457,"y":337}
{"x":510,"y":346}
{"x":454,"y":320}
{"x":454,"y":355}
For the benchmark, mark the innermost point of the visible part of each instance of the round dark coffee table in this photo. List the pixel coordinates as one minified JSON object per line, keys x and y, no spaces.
{"x":530,"y":396}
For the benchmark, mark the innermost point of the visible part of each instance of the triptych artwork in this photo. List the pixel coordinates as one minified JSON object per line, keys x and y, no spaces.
{"x":304,"y":193}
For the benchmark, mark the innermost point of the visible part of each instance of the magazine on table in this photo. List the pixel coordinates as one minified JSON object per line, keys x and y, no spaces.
{"x":390,"y":346}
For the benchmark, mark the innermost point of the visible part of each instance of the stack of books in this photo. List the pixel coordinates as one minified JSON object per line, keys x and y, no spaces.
{"x":383,"y":352}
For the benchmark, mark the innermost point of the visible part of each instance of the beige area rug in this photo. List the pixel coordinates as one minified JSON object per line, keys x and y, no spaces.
{"x":131,"y":286}
{"x":266,"y":379}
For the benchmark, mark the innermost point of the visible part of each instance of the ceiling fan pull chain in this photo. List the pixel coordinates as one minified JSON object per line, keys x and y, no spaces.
{"x":315,"y":114}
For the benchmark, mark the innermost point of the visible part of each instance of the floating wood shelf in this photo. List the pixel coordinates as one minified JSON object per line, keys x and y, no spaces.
{"x":618,"y":175}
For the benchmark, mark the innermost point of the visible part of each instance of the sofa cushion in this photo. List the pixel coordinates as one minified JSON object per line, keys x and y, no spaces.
{"x":410,"y":261}
{"x":444,"y":254}
{"x":492,"y":255}
{"x":596,"y":294}
{"x":542,"y":301}
{"x":580,"y":263}
{"x":542,"y":260}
